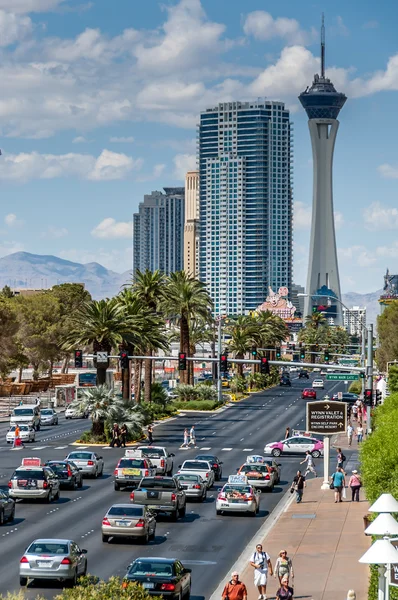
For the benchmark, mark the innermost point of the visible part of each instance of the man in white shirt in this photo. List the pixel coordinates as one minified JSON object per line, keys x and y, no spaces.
{"x":350,"y":433}
{"x":261,"y":561}
{"x":310,"y":464}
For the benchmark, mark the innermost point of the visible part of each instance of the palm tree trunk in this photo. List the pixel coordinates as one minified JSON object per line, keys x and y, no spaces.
{"x":20,"y":370}
{"x":148,"y":377}
{"x":239,"y":366}
{"x":50,"y":370}
{"x":98,"y":428}
{"x":65,"y":365}
{"x":101,"y":375}
{"x":184,"y":346}
{"x":126,"y":392}
{"x":136,"y":381}
{"x":191,"y":367}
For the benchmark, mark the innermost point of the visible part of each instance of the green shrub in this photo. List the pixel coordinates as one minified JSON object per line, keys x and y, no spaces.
{"x":152,"y":411}
{"x":355,"y":387}
{"x":91,"y":589}
{"x":196,"y":405}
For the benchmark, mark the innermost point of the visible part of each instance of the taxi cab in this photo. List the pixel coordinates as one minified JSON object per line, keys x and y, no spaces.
{"x":130,"y":470}
{"x":238,"y":496}
{"x":33,"y":481}
{"x":259,"y":475}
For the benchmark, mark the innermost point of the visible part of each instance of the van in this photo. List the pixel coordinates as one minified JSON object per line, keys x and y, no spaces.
{"x":26,"y":415}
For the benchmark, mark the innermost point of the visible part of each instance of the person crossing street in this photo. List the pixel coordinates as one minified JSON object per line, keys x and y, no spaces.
{"x":310,"y":464}
{"x":192,"y":437}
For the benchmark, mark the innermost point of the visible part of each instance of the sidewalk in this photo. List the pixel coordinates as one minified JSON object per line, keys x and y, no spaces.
{"x":324,"y":541}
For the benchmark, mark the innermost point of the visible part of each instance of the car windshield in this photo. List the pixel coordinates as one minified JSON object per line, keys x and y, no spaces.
{"x":47,"y":411}
{"x":187,"y":477}
{"x":47,"y":548}
{"x":126,"y":511}
{"x":160,"y":484}
{"x":150,"y":568}
{"x":208,"y":458}
{"x":21,"y":427}
{"x":22,"y":412}
{"x":80,"y":455}
{"x":57,"y":467}
{"x":131,"y":463}
{"x":256,"y":468}
{"x":27,"y":474}
{"x":195,"y":466}
{"x":154,"y":453}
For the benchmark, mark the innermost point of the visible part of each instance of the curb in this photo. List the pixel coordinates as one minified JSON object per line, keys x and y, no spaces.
{"x":243,"y":560}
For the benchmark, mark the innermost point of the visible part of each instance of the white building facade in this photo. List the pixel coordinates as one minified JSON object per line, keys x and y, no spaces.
{"x":353,"y":318}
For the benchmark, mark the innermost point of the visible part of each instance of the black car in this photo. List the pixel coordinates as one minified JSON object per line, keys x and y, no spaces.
{"x":285,"y":380}
{"x":215,"y":464}
{"x":165,"y":576}
{"x":304,"y":374}
{"x":69,"y":475}
{"x":7,"y":508}
{"x":347,"y":397}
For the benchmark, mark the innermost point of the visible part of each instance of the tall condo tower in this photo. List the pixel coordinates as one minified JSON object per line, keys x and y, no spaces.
{"x":322,"y":104}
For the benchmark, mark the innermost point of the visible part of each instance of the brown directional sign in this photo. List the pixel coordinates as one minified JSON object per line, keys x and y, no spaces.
{"x":394,"y":568}
{"x":326,"y":417}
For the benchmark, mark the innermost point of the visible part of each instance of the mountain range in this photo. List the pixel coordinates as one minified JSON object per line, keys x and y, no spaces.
{"x":25,"y":270}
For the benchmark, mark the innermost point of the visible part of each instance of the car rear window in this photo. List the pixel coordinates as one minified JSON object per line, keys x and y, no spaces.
{"x":129,"y":463}
{"x":151,"y":568}
{"x":201,"y":466}
{"x":254,"y":468}
{"x":154,"y":453}
{"x":47,"y":548}
{"x":80,"y":456}
{"x":242,"y":489}
{"x":207,"y":458}
{"x":187,"y":477}
{"x":28,"y":474}
{"x":126,"y":511}
{"x":57,"y":467}
{"x":160,"y":484}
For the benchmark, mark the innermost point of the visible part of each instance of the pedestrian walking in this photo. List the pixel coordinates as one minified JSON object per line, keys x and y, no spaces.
{"x":355,"y":483}
{"x":37,"y":401}
{"x":285,"y":592}
{"x":192,"y":437}
{"x":283,"y":566}
{"x":340,"y":460}
{"x":123,"y":435}
{"x":351,"y":595}
{"x":337,"y":484}
{"x":309,"y":459}
{"x":234,"y":589}
{"x":359,"y":434}
{"x":354,"y":411}
{"x":185,"y":443}
{"x":298,"y":486}
{"x":350,"y":433}
{"x":287,"y":433}
{"x":261,"y":562}
{"x":115,"y":435}
{"x":150,"y":434}
{"x":17,"y":438}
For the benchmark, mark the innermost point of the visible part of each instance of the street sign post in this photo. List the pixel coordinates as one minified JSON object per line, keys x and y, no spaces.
{"x":102,"y":357}
{"x":341,"y":376}
{"x":394,"y":568}
{"x":326,"y":417}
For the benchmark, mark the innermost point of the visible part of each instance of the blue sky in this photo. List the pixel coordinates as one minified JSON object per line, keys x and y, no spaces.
{"x":99,"y":102}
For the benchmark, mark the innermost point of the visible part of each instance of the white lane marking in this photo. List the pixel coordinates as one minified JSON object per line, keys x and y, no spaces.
{"x":40,"y":447}
{"x":226,"y":449}
{"x":60,"y":447}
{"x":106,"y":448}
{"x":82,"y":447}
{"x":247,"y":449}
{"x":209,"y":448}
{"x":214,"y":433}
{"x":242,"y":440}
{"x":202,"y":439}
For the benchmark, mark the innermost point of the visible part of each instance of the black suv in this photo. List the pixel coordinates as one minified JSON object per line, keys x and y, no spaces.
{"x":285,"y":380}
{"x":304,"y":374}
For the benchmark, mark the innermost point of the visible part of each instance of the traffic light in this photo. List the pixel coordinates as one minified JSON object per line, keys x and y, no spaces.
{"x":302,"y":353}
{"x":314,"y":309}
{"x":264,"y":366}
{"x":254,"y":351}
{"x":224,"y":363}
{"x":326,"y":356}
{"x":368,"y":397}
{"x":182,"y":361}
{"x":277,"y":352}
{"x":362,"y":375}
{"x":378,"y":397}
{"x":78,"y":359}
{"x":124,"y":359}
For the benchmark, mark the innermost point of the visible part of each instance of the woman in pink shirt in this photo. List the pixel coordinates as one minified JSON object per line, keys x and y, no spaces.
{"x":355,"y":484}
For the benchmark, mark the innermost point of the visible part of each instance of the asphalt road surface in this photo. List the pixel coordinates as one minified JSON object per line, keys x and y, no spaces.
{"x":207,"y":543}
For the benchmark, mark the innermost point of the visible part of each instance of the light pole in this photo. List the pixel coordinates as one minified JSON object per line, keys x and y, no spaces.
{"x":219,"y":321}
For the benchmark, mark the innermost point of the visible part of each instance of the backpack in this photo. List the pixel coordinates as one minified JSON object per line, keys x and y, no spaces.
{"x":343,"y":458}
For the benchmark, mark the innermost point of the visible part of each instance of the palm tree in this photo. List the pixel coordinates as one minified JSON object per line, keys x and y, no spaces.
{"x":185,"y":300}
{"x":315,"y":320}
{"x":148,"y":287}
{"x":242,"y":332}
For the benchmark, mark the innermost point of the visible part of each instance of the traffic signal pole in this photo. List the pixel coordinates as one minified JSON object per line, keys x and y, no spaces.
{"x":369,"y":375}
{"x":219,"y":382}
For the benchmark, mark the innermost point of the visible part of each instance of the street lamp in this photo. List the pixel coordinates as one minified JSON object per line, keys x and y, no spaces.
{"x":386,"y":503}
{"x":381,"y":553}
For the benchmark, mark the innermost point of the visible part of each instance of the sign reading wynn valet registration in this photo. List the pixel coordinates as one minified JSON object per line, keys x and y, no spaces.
{"x":326,"y":417}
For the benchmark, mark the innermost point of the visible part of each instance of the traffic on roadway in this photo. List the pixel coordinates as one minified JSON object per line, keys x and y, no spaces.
{"x":67,"y":509}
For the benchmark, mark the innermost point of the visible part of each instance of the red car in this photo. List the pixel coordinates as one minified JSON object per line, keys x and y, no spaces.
{"x":308,"y":393}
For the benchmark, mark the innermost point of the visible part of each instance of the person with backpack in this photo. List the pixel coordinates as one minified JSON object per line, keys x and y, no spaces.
{"x":261,"y":562}
{"x":337,"y":484}
{"x":340,"y":460}
{"x":234,"y":589}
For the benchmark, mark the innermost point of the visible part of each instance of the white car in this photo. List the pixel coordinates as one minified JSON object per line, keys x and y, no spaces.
{"x":198,"y":467}
{"x":318,"y":383}
{"x":238,"y":498}
{"x":75,"y":413}
{"x":26,"y":434}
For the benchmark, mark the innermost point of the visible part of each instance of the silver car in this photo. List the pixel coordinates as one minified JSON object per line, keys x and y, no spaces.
{"x":238,"y":497}
{"x":53,"y":559}
{"x":89,"y":462}
{"x":34,"y":483}
{"x":48,"y":416}
{"x":193,"y":485}
{"x":129,"y":520}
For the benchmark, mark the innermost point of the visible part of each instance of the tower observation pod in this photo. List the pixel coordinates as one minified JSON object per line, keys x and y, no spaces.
{"x":322,"y":104}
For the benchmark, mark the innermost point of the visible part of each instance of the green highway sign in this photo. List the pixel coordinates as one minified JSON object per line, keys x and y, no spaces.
{"x":342,"y":376}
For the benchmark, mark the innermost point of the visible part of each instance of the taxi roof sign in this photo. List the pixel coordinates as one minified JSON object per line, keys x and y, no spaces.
{"x":237,"y":479}
{"x":31,"y":461}
{"x":254,"y":458}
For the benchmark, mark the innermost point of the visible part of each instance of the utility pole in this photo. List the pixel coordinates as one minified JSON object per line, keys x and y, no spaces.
{"x":363,"y":357}
{"x":219,"y":382}
{"x":369,"y":374}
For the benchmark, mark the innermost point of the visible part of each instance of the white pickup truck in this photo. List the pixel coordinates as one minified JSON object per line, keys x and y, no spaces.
{"x":159,"y":457}
{"x":198,"y":467}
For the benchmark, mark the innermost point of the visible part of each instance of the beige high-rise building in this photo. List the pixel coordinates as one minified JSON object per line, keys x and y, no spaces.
{"x":191,"y":237}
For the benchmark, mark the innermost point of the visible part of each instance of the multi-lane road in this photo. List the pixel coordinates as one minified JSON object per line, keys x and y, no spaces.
{"x":207,"y":543}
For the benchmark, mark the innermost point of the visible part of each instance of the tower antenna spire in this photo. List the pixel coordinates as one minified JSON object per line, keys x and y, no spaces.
{"x":323,"y":47}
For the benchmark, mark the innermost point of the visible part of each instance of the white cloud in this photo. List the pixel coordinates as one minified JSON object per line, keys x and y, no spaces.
{"x":28,"y":6}
{"x":388,"y":171}
{"x":379,"y":217}
{"x":55,"y":232}
{"x":262,"y":26}
{"x":357,"y":256}
{"x":80,"y":139}
{"x":107,"y":166}
{"x":110,"y":229}
{"x":182,"y":164}
{"x":122,"y":140}
{"x":11,"y":220}
{"x":388,"y":251}
{"x":303,"y":213}
{"x":13,"y":28}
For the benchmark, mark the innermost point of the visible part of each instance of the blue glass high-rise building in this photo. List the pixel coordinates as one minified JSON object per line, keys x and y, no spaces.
{"x":245,"y":203}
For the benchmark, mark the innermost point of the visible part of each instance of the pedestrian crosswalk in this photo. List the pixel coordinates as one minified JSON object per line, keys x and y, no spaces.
{"x":202,"y":448}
